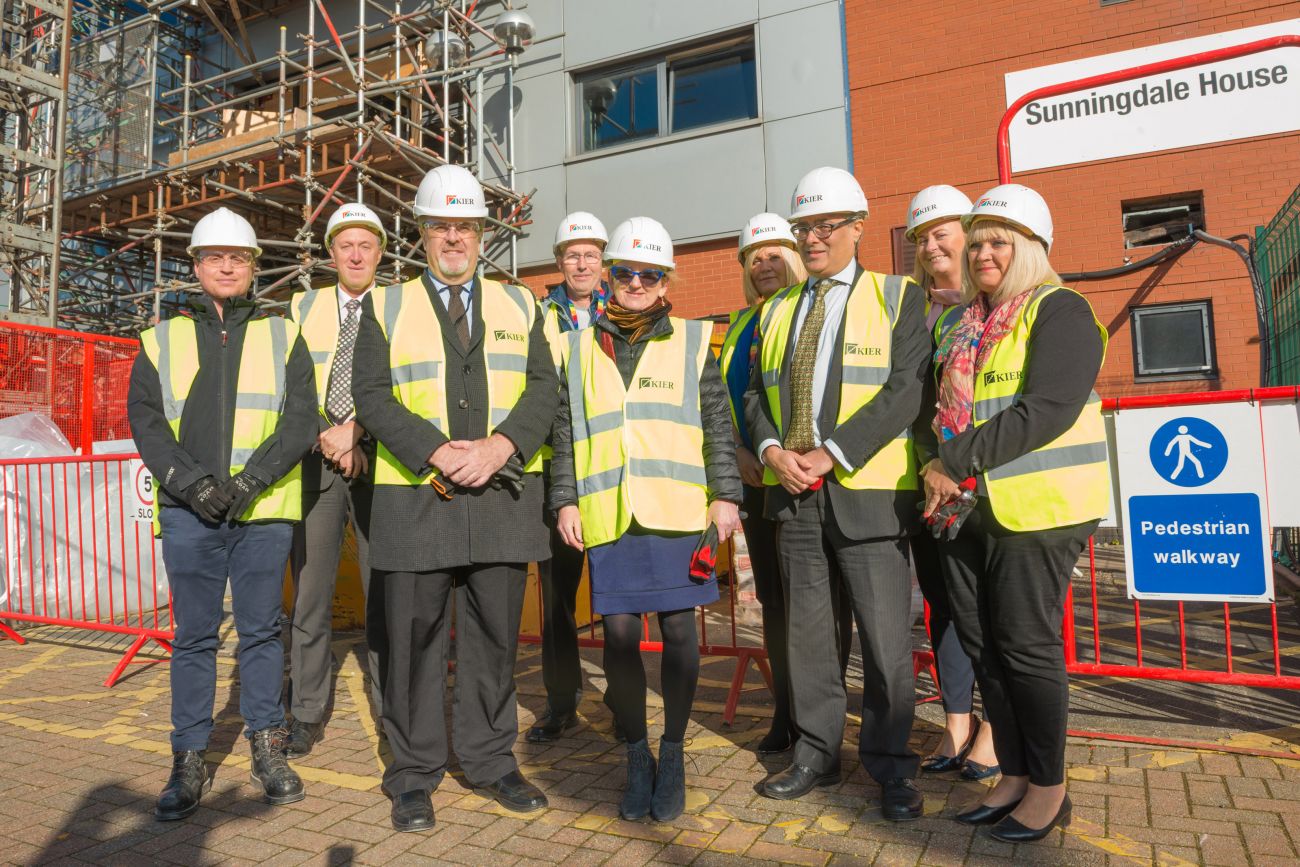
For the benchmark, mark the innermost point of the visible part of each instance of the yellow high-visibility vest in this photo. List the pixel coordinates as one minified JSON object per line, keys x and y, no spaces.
{"x":870,"y":314}
{"x":737,"y":323}
{"x":638,"y":451}
{"x":418,"y":364}
{"x":317,"y":313}
{"x":1064,"y":482}
{"x":173,"y":347}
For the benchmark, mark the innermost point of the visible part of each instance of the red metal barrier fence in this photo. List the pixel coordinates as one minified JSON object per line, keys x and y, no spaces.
{"x":78,"y":380}
{"x":75,"y":553}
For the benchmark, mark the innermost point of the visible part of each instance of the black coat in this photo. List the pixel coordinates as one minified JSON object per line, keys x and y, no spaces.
{"x":720,"y":468}
{"x":859,"y":515}
{"x":412,"y":529}
{"x":208,"y":420}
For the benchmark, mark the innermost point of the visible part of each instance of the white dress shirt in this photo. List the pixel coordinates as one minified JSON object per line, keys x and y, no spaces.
{"x":835,"y":299}
{"x":344,"y":298}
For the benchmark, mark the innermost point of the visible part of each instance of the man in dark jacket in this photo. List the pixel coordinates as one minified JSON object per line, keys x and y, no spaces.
{"x":457,"y":505}
{"x":222,"y":407}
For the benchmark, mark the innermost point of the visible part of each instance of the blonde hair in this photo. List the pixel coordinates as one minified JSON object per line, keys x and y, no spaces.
{"x":1029,"y":267}
{"x":795,"y":272}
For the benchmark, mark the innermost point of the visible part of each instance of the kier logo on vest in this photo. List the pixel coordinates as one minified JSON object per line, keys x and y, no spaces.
{"x":508,"y":335}
{"x":647,"y":382}
{"x":993,"y":376}
{"x":858,"y":349}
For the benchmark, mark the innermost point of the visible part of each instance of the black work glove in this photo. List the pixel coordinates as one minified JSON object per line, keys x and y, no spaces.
{"x":242,"y":489}
{"x":209,"y":501}
{"x":511,"y":476}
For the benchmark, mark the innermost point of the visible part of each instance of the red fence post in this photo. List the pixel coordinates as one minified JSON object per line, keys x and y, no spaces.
{"x":87,"y":397}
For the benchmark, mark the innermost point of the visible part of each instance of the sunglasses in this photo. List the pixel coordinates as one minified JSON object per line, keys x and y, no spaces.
{"x":649,"y":278}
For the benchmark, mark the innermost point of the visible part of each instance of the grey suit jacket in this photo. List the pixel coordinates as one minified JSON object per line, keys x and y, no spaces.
{"x":412,"y":529}
{"x":858,"y":515}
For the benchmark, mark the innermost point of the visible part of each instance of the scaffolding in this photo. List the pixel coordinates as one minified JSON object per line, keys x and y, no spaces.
{"x":171,"y":112}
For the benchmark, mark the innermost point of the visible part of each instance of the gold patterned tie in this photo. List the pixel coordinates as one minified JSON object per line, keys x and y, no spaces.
{"x":800,"y":436}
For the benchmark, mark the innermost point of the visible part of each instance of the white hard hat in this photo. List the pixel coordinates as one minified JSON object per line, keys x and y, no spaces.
{"x":1017,"y":205}
{"x":223,"y":228}
{"x":451,"y":192}
{"x":641,"y":239}
{"x":765,"y":229}
{"x":580,"y":226}
{"x":355,"y":214}
{"x":940,"y":202}
{"x":827,"y":190}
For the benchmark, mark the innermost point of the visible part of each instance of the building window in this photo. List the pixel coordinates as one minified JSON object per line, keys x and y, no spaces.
{"x":1173,"y":340}
{"x":904,"y":251}
{"x":1162,"y":220}
{"x":680,"y":91}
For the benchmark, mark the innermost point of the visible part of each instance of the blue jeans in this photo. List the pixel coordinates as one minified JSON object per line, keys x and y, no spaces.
{"x":199,"y":557}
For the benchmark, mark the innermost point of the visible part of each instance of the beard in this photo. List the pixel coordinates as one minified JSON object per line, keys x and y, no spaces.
{"x":450,"y":269}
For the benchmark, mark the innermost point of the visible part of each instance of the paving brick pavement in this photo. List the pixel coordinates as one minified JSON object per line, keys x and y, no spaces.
{"x":83,"y":765}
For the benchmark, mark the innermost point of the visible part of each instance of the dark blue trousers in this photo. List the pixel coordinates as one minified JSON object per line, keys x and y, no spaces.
{"x":199,"y":557}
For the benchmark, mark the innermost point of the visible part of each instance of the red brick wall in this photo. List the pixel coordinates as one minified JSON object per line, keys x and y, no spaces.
{"x":927,"y":92}
{"x":709,"y":279}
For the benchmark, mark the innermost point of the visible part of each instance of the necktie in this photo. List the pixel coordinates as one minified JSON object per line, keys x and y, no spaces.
{"x":338,"y":396}
{"x":456,"y":310}
{"x":800,"y":436}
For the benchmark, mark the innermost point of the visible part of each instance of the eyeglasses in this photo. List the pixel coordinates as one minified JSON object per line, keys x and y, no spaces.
{"x":821,"y":230}
{"x":441,"y":230}
{"x":575,"y":258}
{"x":649,"y":278}
{"x":242,"y":258}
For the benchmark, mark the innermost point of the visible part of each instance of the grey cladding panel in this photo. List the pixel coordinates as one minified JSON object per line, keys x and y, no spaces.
{"x":811,"y":76}
{"x":597,"y":30}
{"x":798,"y":145}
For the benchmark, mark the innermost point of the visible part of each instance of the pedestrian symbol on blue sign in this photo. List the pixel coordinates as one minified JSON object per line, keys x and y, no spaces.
{"x":1189,"y":452}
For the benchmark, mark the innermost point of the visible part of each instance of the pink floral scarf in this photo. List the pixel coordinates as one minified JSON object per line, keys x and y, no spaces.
{"x":962,"y":355}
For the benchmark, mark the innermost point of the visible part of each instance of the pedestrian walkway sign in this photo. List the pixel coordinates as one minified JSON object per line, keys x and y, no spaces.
{"x":1194,"y":503}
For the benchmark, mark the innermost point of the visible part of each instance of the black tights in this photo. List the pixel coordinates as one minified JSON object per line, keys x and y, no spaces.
{"x":679,"y":673}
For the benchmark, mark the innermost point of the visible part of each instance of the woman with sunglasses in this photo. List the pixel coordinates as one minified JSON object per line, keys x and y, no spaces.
{"x":644,"y":465}
{"x":1019,"y":426}
{"x":934,"y":226}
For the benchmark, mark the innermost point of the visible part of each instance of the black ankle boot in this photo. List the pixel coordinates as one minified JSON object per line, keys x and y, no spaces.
{"x":189,"y":780}
{"x":271,"y":772}
{"x":640,"y":781}
{"x":670,"y":783}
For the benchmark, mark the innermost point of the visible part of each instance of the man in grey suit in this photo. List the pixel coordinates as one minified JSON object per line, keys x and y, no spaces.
{"x":454,"y":379}
{"x":842,"y":360}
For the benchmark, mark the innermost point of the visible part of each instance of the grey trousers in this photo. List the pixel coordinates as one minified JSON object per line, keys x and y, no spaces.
{"x":874,"y":575}
{"x":484,"y":717}
{"x":316,"y":545}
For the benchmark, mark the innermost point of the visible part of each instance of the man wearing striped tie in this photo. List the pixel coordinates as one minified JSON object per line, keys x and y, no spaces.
{"x":842,"y":358}
{"x":338,"y":482}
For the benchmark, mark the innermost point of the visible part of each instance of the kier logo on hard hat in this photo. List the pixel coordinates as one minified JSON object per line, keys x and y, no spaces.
{"x":638,"y":244}
{"x":806,"y":200}
{"x":758,"y":230}
{"x":461,"y":200}
{"x":579,"y":227}
{"x":919,"y":211}
{"x":992,"y":203}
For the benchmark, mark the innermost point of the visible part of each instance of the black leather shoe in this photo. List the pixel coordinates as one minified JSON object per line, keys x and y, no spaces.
{"x":901,"y":800}
{"x":775,"y":742}
{"x":185,"y":787}
{"x":280,"y":784}
{"x":302,"y":737}
{"x":413,"y":811}
{"x":514,"y":793}
{"x":941,"y":764}
{"x":1011,"y":831}
{"x":551,"y":727}
{"x":797,"y":781}
{"x":640,"y":787}
{"x":982,"y":815}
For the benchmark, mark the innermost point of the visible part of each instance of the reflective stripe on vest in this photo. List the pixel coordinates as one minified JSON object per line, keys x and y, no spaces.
{"x":259,"y":399}
{"x":736,"y":325}
{"x":554,"y":336}
{"x":319,"y":323}
{"x":638,"y":451}
{"x":1066,"y":481}
{"x":870,"y":314}
{"x":418,"y":364}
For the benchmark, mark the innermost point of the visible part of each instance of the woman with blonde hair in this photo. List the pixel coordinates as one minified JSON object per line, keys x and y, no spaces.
{"x":643,"y":469}
{"x":934,"y":226}
{"x":1021,"y":478}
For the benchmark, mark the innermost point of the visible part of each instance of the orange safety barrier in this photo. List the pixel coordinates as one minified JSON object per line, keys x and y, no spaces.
{"x":77,"y":550}
{"x":78,"y":380}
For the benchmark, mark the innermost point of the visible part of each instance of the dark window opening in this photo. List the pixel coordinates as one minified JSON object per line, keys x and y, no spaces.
{"x":1170,"y":340}
{"x":904,"y":251}
{"x":1162,"y":220}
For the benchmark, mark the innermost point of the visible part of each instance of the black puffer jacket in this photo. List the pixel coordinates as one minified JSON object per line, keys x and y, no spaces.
{"x":720,"y":466}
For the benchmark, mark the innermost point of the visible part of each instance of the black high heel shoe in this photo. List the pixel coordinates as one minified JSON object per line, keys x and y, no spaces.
{"x":937,"y":764}
{"x":1011,"y":831}
{"x":982,"y":815}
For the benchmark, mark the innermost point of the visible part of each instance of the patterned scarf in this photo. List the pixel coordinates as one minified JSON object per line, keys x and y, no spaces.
{"x":962,"y":355}
{"x":599,"y":300}
{"x":634,"y":324}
